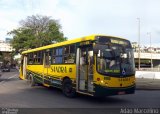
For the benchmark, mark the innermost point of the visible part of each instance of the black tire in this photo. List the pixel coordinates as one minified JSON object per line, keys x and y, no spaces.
{"x":68,"y":89}
{"x":31,"y":80}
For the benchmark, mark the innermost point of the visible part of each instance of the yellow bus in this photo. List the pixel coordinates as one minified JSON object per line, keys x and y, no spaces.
{"x":95,"y":65}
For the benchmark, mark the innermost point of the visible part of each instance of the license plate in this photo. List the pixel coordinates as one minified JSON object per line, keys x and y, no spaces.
{"x":121,"y":93}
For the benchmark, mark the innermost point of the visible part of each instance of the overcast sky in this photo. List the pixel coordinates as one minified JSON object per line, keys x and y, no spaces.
{"x":84,"y":17}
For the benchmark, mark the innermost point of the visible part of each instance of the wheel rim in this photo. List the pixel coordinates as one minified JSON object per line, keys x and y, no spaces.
{"x":30,"y":80}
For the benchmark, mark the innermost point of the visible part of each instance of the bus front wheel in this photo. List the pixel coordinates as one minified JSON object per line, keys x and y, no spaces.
{"x":68,"y":89}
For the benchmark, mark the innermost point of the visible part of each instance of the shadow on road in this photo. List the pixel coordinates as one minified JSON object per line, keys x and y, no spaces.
{"x":19,"y":94}
{"x":107,"y":99}
{"x":103,"y":100}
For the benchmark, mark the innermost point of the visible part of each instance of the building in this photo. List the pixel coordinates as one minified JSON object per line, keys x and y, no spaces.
{"x":7,"y":40}
{"x":5,"y":46}
{"x":5,"y":52}
{"x":135,"y":46}
{"x":145,"y":49}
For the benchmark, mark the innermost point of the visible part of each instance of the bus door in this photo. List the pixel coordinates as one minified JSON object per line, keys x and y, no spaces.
{"x":47,"y":63}
{"x":85,"y":69}
{"x":24,"y":64}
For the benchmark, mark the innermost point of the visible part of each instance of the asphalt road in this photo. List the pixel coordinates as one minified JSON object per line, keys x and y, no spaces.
{"x":15,"y":93}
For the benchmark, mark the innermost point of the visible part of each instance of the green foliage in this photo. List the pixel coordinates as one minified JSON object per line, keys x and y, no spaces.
{"x":36,"y":31}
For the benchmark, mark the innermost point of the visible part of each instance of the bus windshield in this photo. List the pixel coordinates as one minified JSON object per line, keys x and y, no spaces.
{"x":115,"y":59}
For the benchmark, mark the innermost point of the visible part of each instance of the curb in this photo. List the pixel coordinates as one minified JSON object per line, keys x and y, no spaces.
{"x":147,"y":84}
{"x":147,"y":87}
{"x":153,"y":89}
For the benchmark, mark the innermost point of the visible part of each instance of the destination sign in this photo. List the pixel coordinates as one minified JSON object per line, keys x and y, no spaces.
{"x":119,"y":42}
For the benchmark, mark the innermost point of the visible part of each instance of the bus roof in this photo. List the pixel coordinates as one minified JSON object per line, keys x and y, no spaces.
{"x":76,"y":40}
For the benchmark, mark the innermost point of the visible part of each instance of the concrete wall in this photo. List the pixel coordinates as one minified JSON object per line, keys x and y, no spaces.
{"x":148,"y":74}
{"x":147,"y":55}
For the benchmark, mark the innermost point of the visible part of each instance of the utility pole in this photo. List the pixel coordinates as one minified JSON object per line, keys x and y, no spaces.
{"x":149,"y":33}
{"x":139,"y":61}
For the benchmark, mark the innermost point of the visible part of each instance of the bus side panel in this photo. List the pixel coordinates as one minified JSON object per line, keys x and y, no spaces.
{"x":36,"y":71}
{"x":54,"y":75}
{"x":59,"y":72}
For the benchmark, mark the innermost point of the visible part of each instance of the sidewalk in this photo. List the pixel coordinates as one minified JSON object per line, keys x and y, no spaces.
{"x":147,"y":84}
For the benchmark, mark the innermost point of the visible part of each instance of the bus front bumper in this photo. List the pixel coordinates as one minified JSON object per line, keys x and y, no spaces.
{"x":107,"y":91}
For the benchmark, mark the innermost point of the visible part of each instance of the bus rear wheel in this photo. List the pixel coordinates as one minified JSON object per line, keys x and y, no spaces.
{"x":68,"y":89}
{"x":31,"y":81}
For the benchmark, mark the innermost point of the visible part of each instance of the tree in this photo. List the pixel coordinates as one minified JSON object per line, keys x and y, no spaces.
{"x":36,"y":31}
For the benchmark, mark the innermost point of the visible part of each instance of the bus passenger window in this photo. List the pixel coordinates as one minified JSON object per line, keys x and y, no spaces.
{"x":58,"y":56}
{"x":47,"y":58}
{"x":71,"y":58}
{"x":53,"y":60}
{"x":72,"y":48}
{"x":35,"y":58}
{"x":69,"y":54}
{"x":66,"y":50}
{"x":30,"y":58}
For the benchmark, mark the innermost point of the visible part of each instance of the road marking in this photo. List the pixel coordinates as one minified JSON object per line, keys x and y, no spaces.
{"x":2,"y":81}
{"x":12,"y":76}
{"x":8,"y":78}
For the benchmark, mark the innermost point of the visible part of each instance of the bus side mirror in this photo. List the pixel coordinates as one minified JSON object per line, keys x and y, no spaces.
{"x":96,"y":48}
